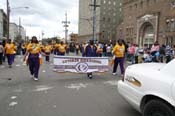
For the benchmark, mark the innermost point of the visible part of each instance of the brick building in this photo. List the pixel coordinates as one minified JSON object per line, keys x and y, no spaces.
{"x":145,"y":21}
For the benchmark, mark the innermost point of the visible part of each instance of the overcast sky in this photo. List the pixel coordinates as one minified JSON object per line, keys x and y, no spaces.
{"x":44,"y":15}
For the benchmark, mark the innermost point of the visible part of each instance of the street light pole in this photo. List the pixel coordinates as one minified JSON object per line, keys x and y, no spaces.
{"x":8,"y":16}
{"x":66,"y":22}
{"x":8,"y":19}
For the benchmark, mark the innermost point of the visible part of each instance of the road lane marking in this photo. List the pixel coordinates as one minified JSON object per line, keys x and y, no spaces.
{"x":18,"y":90}
{"x":2,"y":66}
{"x":13,"y":97}
{"x":13,"y":104}
{"x":114,"y":83}
{"x":77,"y":86}
{"x":43,"y":71}
{"x":54,"y":106}
{"x":42,"y":88}
{"x":18,"y":65}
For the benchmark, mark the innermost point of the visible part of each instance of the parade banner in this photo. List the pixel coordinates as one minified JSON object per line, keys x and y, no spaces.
{"x":75,"y":64}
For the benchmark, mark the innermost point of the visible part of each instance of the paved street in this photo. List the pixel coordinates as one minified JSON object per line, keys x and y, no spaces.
{"x":59,"y":94}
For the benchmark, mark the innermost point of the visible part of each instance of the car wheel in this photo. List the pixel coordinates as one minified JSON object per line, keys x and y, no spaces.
{"x":158,"y":108}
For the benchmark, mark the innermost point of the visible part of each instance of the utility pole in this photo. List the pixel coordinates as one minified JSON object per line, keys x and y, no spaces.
{"x":94,"y":5}
{"x":20,"y":36}
{"x":66,"y":25}
{"x":8,"y":19}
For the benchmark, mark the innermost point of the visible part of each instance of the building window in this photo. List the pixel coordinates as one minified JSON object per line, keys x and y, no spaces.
{"x":109,"y":19}
{"x":104,"y":2}
{"x":172,"y":24}
{"x":114,"y":3}
{"x":109,"y":2}
{"x":130,"y":7}
{"x":103,"y":18}
{"x":141,"y":4}
{"x":155,"y":1}
{"x":148,"y":2}
{"x":173,"y":3}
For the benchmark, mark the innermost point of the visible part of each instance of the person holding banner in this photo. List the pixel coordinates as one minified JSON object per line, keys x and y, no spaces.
{"x":34,"y":54}
{"x":119,"y":53}
{"x":90,"y":51}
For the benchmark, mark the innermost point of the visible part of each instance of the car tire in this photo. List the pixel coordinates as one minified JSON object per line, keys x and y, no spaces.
{"x":158,"y":108}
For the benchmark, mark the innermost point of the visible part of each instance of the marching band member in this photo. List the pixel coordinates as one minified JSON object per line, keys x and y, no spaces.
{"x":9,"y":50}
{"x":34,"y":52}
{"x":47,"y":51}
{"x":62,"y":49}
{"x":119,"y":52}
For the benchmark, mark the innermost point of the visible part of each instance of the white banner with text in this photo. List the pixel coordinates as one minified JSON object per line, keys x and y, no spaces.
{"x":77,"y":64}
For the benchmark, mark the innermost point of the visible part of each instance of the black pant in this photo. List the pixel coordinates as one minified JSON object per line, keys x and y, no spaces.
{"x":168,"y":59}
{"x":136,"y":59}
{"x":1,"y":58}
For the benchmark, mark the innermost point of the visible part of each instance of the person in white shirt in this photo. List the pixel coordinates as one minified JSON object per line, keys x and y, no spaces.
{"x":1,"y":52}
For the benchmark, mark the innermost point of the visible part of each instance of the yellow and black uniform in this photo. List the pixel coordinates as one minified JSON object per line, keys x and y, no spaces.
{"x":56,"y":50}
{"x":10,"y":50}
{"x":47,"y":50}
{"x":34,"y":58}
{"x":119,"y":52}
{"x":62,"y":49}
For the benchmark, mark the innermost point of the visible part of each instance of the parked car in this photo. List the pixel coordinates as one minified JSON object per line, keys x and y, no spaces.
{"x":150,"y":88}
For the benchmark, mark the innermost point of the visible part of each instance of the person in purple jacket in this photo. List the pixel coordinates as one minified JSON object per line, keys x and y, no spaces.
{"x":90,"y":51}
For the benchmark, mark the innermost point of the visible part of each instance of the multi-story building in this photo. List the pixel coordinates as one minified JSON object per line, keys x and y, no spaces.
{"x":108,"y":17}
{"x":73,"y":37}
{"x":3,"y":24}
{"x":22,"y":32}
{"x":147,"y":21}
{"x":13,"y":33}
{"x":16,"y":32}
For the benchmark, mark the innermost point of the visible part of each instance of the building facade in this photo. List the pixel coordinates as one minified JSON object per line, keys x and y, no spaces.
{"x":13,"y":32}
{"x":73,"y":37}
{"x":147,"y":21}
{"x":22,"y":32}
{"x":108,"y":17}
{"x":3,"y":24}
{"x":16,"y":31}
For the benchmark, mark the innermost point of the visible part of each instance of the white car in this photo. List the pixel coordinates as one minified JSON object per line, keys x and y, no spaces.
{"x":150,"y":88}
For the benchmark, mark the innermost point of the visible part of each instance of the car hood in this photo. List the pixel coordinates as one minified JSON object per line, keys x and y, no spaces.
{"x":147,"y":66}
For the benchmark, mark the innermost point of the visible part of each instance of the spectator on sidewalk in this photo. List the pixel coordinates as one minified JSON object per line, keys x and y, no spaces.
{"x":173,"y":51}
{"x":131,"y":53}
{"x":162,"y":53}
{"x":1,"y":52}
{"x":155,"y":48}
{"x":168,"y":53}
